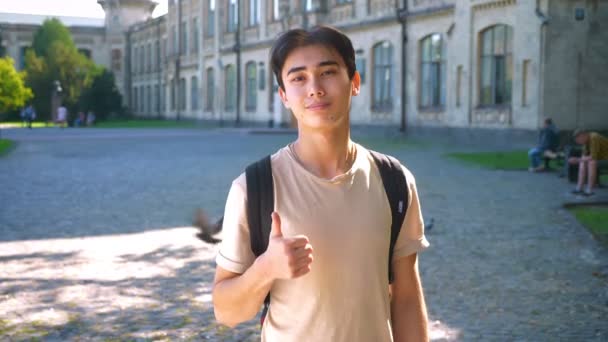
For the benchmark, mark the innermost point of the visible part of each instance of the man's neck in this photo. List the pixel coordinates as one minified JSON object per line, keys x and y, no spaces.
{"x":326,"y":154}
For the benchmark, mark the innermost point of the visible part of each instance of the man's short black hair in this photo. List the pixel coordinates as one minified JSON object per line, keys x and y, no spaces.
{"x":318,"y":35}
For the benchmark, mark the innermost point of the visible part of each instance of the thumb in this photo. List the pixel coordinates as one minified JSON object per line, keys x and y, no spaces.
{"x":276,"y":225}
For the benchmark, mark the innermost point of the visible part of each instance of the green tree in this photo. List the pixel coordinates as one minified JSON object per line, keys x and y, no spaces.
{"x":102,"y":96}
{"x":51,"y":31}
{"x":54,"y":57}
{"x":13,"y":93}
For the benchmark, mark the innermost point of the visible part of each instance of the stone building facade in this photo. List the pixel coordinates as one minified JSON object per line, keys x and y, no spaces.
{"x":503,"y":64}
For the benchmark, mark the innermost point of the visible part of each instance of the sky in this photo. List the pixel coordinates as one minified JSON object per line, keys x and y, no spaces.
{"x":70,"y":8}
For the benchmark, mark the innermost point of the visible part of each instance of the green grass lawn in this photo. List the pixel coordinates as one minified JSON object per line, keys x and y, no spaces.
{"x":511,"y":160}
{"x":5,"y":146}
{"x":595,"y":218}
{"x":120,"y":124}
{"x":17,"y":124}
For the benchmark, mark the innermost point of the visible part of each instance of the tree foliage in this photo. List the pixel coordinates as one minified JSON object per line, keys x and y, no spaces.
{"x":54,"y":57}
{"x":13,"y":93}
{"x":51,"y":31}
{"x":102,"y":96}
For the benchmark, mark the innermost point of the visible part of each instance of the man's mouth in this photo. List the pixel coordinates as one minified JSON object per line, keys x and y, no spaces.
{"x":317,"y":106}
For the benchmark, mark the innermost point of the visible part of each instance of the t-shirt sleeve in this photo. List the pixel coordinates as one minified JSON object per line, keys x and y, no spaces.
{"x":411,"y":238}
{"x":235,"y":253}
{"x":594,"y":147}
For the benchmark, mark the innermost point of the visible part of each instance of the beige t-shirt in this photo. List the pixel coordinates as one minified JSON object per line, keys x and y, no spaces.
{"x":347,"y":220}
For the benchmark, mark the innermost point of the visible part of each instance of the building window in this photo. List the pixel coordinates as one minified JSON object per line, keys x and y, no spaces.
{"x":251,"y":98}
{"x":157,"y":55}
{"x":164,"y":49}
{"x":134,"y":103}
{"x":254,"y":12}
{"x":194,"y":93}
{"x":276,"y":10}
{"x":182,"y":94}
{"x":262,"y":77}
{"x":156,"y":98}
{"x":142,"y":54}
{"x":172,"y":94}
{"x":383,"y":78}
{"x":211,"y":18}
{"x":341,"y":2}
{"x":432,"y":72}
{"x":85,"y":52}
{"x":116,"y":59}
{"x":174,"y":38}
{"x":149,"y":106}
{"x":230,"y":88}
{"x":142,"y":99}
{"x":307,"y":5}
{"x":149,"y":57}
{"x":496,"y":65}
{"x":133,"y":58}
{"x":233,"y":16}
{"x":163,"y":98}
{"x":210,"y":89}
{"x":195,"y":31}
{"x":184,"y":38}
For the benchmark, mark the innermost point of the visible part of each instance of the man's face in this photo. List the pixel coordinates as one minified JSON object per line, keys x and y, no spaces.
{"x":581,"y":139}
{"x":317,"y":88}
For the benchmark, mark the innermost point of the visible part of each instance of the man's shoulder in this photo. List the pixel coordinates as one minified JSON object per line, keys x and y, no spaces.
{"x":409,"y":176}
{"x":276,"y":159}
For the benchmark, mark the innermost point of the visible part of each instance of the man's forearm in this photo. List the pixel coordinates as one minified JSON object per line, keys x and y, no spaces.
{"x":239,"y":299}
{"x":409,"y":321}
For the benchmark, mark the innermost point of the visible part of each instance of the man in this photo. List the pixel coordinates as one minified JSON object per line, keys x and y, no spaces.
{"x":28,"y":114}
{"x":595,"y":151}
{"x":62,"y":116}
{"x":547,"y":142}
{"x":330,"y":207}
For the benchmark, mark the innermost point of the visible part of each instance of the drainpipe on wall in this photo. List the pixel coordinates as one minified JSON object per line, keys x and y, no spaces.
{"x":178,"y":57}
{"x":402,"y":17}
{"x":158,"y":69}
{"x":127,"y":64}
{"x":541,"y":70}
{"x":237,"y":49}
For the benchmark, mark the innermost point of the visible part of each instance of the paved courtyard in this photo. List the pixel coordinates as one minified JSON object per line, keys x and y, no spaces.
{"x":96,"y":243}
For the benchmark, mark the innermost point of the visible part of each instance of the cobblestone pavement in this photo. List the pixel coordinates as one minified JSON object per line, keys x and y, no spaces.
{"x":95,"y":243}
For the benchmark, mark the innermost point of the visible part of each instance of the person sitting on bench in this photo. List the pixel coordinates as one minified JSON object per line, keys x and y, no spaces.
{"x":595,"y":150}
{"x":547,"y":141}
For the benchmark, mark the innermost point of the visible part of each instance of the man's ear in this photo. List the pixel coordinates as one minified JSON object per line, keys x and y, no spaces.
{"x":283,"y":97}
{"x":356,"y":84}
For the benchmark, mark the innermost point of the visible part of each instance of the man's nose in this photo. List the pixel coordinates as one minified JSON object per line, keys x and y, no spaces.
{"x":316,"y":88}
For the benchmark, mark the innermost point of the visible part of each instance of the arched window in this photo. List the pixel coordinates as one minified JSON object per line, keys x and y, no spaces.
{"x":496,"y":74}
{"x":251,"y":98}
{"x":210,"y":89}
{"x":194,"y":93}
{"x":432,"y":71}
{"x":182,"y":94}
{"x":230,"y":88}
{"x":383,"y":79}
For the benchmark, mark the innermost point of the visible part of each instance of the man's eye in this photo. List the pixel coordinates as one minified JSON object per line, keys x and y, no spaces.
{"x":297,"y":79}
{"x":328,"y":72}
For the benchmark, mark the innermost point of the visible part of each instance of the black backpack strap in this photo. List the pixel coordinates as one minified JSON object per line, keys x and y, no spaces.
{"x":260,"y":205}
{"x":395,"y":186}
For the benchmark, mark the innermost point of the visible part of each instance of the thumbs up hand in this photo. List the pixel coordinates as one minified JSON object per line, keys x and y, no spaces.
{"x":286,"y":257}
